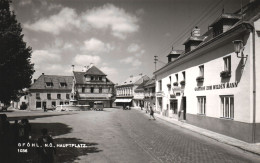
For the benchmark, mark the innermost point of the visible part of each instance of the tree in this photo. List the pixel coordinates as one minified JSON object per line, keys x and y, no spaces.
{"x":16,"y":69}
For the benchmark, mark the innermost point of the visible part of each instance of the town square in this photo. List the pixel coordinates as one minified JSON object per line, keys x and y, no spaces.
{"x":129,"y":81}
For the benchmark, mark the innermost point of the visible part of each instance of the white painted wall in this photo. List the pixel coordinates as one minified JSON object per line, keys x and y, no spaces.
{"x":213,"y":64}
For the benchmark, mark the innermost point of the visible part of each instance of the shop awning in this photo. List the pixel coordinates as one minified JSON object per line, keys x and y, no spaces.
{"x":123,"y":100}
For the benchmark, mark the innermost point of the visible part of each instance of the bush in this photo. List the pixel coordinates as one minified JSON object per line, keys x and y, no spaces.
{"x":23,"y":107}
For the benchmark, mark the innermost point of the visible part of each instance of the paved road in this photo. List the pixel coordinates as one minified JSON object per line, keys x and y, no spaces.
{"x":129,"y":136}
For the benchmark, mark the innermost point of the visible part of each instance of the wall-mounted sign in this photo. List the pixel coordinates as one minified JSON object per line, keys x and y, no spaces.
{"x":218,"y":86}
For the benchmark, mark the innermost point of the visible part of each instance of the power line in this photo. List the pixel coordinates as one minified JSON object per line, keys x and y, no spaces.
{"x":208,"y":10}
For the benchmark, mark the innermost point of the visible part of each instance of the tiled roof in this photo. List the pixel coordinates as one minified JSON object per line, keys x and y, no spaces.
{"x":134,"y":80}
{"x":141,"y":86}
{"x":150,"y":82}
{"x":40,"y":83}
{"x":94,"y":71}
{"x":80,"y":78}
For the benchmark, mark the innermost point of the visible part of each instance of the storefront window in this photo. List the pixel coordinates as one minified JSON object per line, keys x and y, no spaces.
{"x":227,"y":106}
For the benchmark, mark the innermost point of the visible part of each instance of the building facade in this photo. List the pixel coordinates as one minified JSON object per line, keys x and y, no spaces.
{"x":149,"y":93}
{"x":212,"y":85}
{"x":93,"y":85}
{"x":126,"y":94}
{"x":50,"y":90}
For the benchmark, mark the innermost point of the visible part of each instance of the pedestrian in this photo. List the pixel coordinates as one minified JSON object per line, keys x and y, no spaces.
{"x":47,"y":147}
{"x":44,"y":108}
{"x":151,"y":113}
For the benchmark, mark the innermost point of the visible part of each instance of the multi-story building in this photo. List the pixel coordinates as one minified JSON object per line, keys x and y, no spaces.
{"x":214,"y":83}
{"x":93,"y":85}
{"x":125,"y":92}
{"x":50,"y":90}
{"x":149,"y":93}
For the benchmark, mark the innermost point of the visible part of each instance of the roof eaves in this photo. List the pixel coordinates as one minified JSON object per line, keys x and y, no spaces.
{"x":245,"y":24}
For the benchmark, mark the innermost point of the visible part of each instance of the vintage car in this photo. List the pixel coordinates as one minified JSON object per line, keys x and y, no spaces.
{"x":98,"y":105}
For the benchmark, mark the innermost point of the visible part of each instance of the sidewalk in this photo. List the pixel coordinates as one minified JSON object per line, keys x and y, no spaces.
{"x":252,"y":148}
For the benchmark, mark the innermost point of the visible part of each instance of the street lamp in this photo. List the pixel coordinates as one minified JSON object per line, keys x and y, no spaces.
{"x":239,"y":48}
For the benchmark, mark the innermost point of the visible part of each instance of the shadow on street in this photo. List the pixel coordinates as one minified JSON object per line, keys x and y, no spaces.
{"x":9,"y":152}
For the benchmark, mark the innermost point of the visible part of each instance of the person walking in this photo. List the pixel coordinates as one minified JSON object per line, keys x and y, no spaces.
{"x":151,"y":113}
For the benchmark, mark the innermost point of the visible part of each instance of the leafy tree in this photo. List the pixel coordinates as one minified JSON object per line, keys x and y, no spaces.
{"x":16,"y":69}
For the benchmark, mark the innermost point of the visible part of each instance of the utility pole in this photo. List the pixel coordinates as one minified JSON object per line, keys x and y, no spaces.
{"x":155,"y":61}
{"x":72,"y":67}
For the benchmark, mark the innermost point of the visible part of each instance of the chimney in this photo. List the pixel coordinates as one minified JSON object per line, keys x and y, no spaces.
{"x":42,"y":73}
{"x":195,"y":32}
{"x":91,"y":64}
{"x":131,"y":76}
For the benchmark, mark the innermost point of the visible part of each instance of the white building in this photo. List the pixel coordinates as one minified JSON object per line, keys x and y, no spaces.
{"x":126,"y":93}
{"x":210,"y":85}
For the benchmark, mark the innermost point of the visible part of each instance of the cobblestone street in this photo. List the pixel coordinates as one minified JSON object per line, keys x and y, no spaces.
{"x":129,"y":136}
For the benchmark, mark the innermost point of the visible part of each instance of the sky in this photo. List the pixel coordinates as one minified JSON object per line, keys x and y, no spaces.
{"x":120,"y":37}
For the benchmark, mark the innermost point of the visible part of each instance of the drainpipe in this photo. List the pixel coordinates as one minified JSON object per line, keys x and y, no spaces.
{"x":254,"y":88}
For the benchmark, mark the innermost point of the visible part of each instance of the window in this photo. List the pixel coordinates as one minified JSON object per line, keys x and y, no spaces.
{"x":100,"y":89}
{"x":66,"y":102}
{"x":227,"y":106}
{"x":61,"y":102}
{"x":201,"y":105}
{"x":67,"y":96}
{"x":201,"y":68}
{"x":170,"y":78}
{"x":227,"y":63}
{"x":49,"y":84}
{"x":38,"y":96}
{"x":25,"y":97}
{"x":100,"y":78}
{"x":83,"y":89}
{"x":48,"y":96}
{"x":184,"y":75}
{"x":58,"y":96}
{"x":92,"y":89}
{"x":38,"y":104}
{"x":160,"y":85}
{"x":53,"y":103}
{"x":92,"y":78}
{"x":62,"y":84}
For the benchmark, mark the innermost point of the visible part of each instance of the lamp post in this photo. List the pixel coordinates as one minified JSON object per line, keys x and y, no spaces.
{"x":239,"y":48}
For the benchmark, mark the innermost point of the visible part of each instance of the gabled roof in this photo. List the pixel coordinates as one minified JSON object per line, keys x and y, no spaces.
{"x":80,"y":78}
{"x":94,"y":71}
{"x":174,"y":52}
{"x":151,"y":82}
{"x":40,"y":83}
{"x":141,"y":86}
{"x":135,"y":80}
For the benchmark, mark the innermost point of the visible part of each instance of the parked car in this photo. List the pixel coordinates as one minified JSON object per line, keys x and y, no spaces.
{"x":98,"y":105}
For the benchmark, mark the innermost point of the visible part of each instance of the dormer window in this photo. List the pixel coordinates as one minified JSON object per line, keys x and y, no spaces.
{"x":224,"y":23}
{"x":92,"y":78}
{"x":62,"y":84}
{"x":49,"y":84}
{"x":100,"y":78}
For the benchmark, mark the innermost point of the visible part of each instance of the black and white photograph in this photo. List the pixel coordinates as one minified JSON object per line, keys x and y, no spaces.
{"x":129,"y":81}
